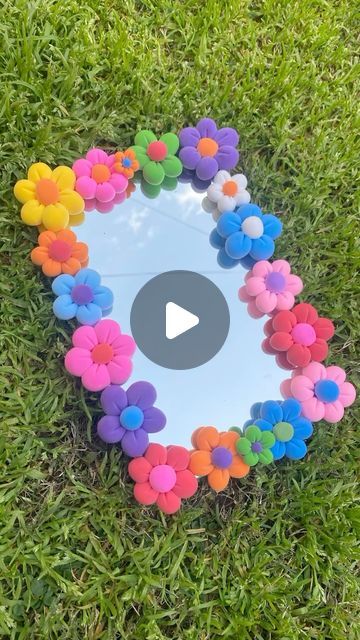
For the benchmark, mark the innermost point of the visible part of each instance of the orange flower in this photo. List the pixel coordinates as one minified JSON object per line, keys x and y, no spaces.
{"x":60,"y":253}
{"x":126,"y":163}
{"x":215,"y":456}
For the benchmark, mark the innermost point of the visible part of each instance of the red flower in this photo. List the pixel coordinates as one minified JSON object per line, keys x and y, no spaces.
{"x":162,"y":476}
{"x":298,"y":336}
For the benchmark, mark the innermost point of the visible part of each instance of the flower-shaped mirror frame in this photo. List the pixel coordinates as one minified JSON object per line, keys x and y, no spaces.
{"x":54,"y":200}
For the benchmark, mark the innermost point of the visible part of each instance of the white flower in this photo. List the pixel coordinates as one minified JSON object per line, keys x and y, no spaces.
{"x":227,"y":191}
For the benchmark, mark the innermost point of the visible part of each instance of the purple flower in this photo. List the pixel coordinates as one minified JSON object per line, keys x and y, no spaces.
{"x":207,"y":149}
{"x":130,"y":417}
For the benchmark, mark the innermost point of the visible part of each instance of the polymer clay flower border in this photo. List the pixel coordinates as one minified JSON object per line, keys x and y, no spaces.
{"x":53,"y":200}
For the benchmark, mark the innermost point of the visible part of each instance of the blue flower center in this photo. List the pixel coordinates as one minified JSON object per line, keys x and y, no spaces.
{"x":131,"y":418}
{"x":126,"y":162}
{"x":327,"y":390}
{"x":82,"y":294}
{"x":221,"y":457}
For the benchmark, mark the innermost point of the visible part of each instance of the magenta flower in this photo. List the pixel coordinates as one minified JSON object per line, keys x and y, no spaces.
{"x":322,"y":391}
{"x":96,"y":177}
{"x":207,"y":149}
{"x":269,"y":287}
{"x":101,"y":355}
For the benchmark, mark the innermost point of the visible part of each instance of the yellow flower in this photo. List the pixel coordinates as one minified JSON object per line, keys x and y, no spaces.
{"x":48,"y":197}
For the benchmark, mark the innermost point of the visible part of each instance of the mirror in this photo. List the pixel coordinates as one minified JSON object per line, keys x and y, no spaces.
{"x":141,"y":238}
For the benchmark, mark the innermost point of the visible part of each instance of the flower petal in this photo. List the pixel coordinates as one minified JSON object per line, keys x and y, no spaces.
{"x":207,"y":128}
{"x":228,"y":224}
{"x":302,"y":428}
{"x":82,"y":168}
{"x":186,"y":484}
{"x":227,"y":136}
{"x":172,"y":166}
{"x":172,"y":142}
{"x":62,"y":285}
{"x":189,"y":157}
{"x":77,"y":361}
{"x":144,"y":137}
{"x":135,"y":443}
{"x":238,"y":468}
{"x":302,"y":388}
{"x":266,"y":301}
{"x":168,"y":502}
{"x":281,"y":266}
{"x":96,"y":377}
{"x":153,"y":173}
{"x":119,"y":369}
{"x":313,"y":409}
{"x":64,"y":178}
{"x":113,"y":400}
{"x":85,"y":338}
{"x":347,"y":393}
{"x":281,"y":341}
{"x":227,"y":157}
{"x":315,"y":371}
{"x":207,"y":438}
{"x":64,"y":308}
{"x":88,"y":314}
{"x":189,"y":137}
{"x":271,"y":411}
{"x":55,"y":217}
{"x":109,"y":429}
{"x":218,"y":479}
{"x":298,"y":355}
{"x":139,"y":469}
{"x":291,"y":410}
{"x":318,"y":350}
{"x":105,"y":192}
{"x":262,"y":248}
{"x":24,"y":190}
{"x":255,"y":285}
{"x":237,"y":245}
{"x":200,"y":463}
{"x":107,"y":331}
{"x":272,"y":225}
{"x":156,"y":454}
{"x":278,"y":450}
{"x":284,"y":301}
{"x":38,"y":171}
{"x":295,"y":449}
{"x":32,"y":212}
{"x":144,"y":493}
{"x":306,"y":313}
{"x":178,"y":457}
{"x":154,"y":420}
{"x":266,"y":456}
{"x":206,"y":168}
{"x":294,"y":284}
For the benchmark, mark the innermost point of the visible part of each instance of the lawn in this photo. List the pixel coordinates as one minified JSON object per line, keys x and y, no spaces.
{"x":273,"y":557}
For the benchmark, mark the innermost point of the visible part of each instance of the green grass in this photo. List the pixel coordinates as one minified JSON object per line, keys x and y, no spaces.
{"x":274,"y":557}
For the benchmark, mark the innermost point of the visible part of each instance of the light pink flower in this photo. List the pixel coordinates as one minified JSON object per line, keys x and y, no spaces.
{"x":101,"y":355}
{"x":96,"y":177}
{"x":270,"y":286}
{"x":322,"y":391}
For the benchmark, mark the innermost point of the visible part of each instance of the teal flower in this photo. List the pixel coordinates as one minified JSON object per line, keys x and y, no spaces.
{"x":157,"y":157}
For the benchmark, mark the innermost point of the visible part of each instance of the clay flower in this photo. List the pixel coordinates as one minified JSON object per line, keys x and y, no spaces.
{"x":206,"y":149}
{"x":157,"y":158}
{"x":105,"y":207}
{"x":269,"y":287}
{"x":255,"y":445}
{"x":101,"y":355}
{"x":97,"y":178}
{"x":215,"y":456}
{"x":48,"y":197}
{"x":81,"y":297}
{"x":126,"y":163}
{"x":322,"y":391}
{"x":227,"y":192}
{"x":59,"y":253}
{"x":162,"y":477}
{"x":284,"y":420}
{"x":296,"y":337}
{"x":245,"y":236}
{"x":130,"y":417}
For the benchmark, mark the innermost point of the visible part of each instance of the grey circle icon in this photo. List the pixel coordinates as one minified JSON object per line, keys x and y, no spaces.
{"x":180,"y":320}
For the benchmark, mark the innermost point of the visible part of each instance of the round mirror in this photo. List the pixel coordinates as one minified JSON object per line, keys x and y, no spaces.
{"x":142,"y":238}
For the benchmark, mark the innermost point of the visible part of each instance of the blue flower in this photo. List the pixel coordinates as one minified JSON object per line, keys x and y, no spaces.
{"x":288,"y":426}
{"x":245,"y":236}
{"x":81,"y":297}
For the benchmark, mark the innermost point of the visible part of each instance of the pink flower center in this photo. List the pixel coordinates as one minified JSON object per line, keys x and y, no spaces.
{"x":275,"y":282}
{"x":157,"y":150}
{"x":82,"y":294}
{"x":102,"y":353}
{"x":60,"y":250}
{"x":100,"y":173}
{"x":304,"y":334}
{"x":162,"y":478}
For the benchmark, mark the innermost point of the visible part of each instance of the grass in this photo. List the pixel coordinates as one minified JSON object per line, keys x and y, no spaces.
{"x":275,"y":556}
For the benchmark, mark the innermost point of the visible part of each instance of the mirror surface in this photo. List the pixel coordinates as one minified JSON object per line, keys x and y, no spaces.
{"x":141,"y":238}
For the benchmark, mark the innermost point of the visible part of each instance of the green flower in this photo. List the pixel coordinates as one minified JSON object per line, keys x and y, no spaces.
{"x":157,"y":158}
{"x":255,"y":446}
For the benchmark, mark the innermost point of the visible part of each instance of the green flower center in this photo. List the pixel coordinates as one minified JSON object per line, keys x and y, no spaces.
{"x":283,"y":431}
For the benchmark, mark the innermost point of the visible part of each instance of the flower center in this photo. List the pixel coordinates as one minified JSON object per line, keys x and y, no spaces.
{"x":327,"y":390}
{"x":100,"y":173}
{"x":82,"y":294}
{"x":275,"y":282}
{"x":157,"y":150}
{"x":131,"y":418}
{"x":47,"y":191}
{"x":221,"y":457}
{"x":253,"y":227}
{"x":230,"y":188}
{"x":283,"y":431}
{"x":126,"y":163}
{"x":162,"y":478}
{"x":304,"y":334}
{"x":207,"y":147}
{"x":102,"y":353}
{"x":60,"y":250}
{"x":256,"y":447}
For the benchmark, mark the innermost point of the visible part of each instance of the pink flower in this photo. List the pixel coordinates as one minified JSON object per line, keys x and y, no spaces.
{"x":162,"y":477}
{"x":269,"y":287}
{"x":105,"y":207}
{"x":322,"y":391}
{"x":97,"y":178}
{"x":101,"y":355}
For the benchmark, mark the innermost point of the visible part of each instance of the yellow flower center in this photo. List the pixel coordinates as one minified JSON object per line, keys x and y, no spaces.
{"x":47,"y":191}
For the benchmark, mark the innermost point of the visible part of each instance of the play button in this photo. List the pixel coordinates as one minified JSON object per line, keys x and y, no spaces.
{"x":180,"y":319}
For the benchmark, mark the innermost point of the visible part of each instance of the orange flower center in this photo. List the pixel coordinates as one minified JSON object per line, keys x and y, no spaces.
{"x":47,"y":191}
{"x":207,"y":147}
{"x":100,"y":173}
{"x":60,"y":251}
{"x":229,"y":188}
{"x":102,"y":353}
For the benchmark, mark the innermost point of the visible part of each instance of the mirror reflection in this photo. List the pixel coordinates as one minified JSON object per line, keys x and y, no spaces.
{"x":141,"y":238}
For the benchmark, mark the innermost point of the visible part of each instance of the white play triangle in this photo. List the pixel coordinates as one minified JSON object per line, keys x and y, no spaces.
{"x":178,"y":320}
